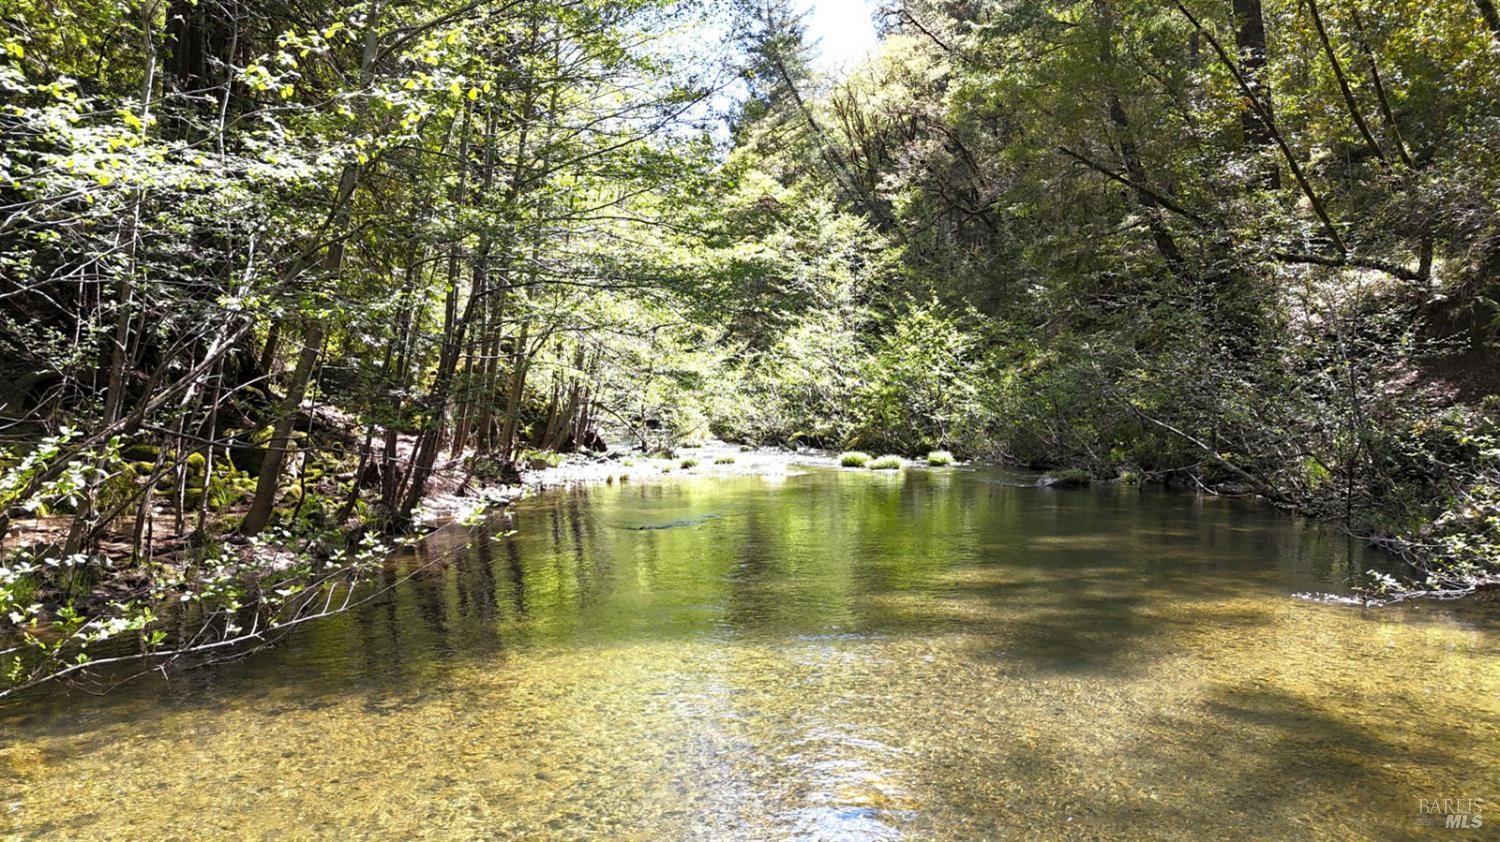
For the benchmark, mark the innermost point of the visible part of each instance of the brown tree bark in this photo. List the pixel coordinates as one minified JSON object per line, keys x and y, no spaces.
{"x":1250,"y":41}
{"x":1135,"y":170}
{"x":1491,"y":17}
{"x":1343,"y":81}
{"x":269,"y":481}
{"x":455,"y":329}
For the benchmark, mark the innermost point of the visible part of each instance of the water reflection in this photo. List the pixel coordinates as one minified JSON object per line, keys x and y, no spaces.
{"x":836,"y":655}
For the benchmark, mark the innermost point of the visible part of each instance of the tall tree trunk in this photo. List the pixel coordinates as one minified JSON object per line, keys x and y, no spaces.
{"x":1264,"y":109}
{"x":1344,"y":89}
{"x":269,"y":481}
{"x":268,"y":352}
{"x":455,"y":325}
{"x":476,"y":371}
{"x":1250,"y":39}
{"x":1491,"y":17}
{"x":114,"y":399}
{"x":120,"y":343}
{"x":520,"y":361}
{"x":391,"y":479}
{"x":1161,"y":235}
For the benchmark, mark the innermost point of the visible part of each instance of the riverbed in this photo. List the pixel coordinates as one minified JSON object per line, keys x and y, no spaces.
{"x":817,"y":653}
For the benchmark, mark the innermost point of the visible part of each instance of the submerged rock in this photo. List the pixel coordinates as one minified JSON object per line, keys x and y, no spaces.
{"x":674,"y":524}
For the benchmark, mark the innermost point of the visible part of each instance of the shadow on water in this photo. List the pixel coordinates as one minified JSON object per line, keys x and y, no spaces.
{"x":1259,"y":757}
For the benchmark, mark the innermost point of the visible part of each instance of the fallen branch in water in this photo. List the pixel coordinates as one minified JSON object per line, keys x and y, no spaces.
{"x":1260,"y":486}
{"x":240,"y":644}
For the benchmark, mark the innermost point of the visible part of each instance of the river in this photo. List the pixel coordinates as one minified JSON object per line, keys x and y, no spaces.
{"x":828,"y":654}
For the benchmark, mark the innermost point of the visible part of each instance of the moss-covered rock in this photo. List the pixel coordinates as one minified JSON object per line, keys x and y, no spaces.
{"x":247,"y":451}
{"x":1065,"y":478}
{"x":140,"y":452}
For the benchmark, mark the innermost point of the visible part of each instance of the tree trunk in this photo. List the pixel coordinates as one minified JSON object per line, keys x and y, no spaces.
{"x":1344,"y":89}
{"x":429,"y":439}
{"x":269,"y":482}
{"x":1161,"y":235}
{"x":1491,"y":17}
{"x":1250,"y":39}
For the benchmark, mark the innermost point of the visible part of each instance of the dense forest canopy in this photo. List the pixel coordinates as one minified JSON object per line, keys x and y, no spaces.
{"x":271,"y":272}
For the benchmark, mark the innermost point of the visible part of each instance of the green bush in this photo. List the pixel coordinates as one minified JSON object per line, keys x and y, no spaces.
{"x":939,"y":458}
{"x":885,"y":463}
{"x":539,"y":459}
{"x":1066,"y":478}
{"x":854,"y":459}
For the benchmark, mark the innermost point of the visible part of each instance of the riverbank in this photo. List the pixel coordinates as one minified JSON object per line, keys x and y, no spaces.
{"x":223,"y":592}
{"x":449,"y":502}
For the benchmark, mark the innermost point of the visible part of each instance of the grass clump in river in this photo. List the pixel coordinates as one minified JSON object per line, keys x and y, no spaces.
{"x":885,"y":463}
{"x":689,"y":464}
{"x":724,"y":460}
{"x":939,"y":458}
{"x":854,"y":459}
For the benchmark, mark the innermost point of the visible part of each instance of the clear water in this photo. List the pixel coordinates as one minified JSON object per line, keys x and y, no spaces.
{"x":829,"y":655}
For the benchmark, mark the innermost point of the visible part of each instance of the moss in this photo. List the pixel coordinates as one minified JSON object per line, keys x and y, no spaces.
{"x":139,"y":453}
{"x":939,"y":458}
{"x":885,"y":463}
{"x":248,"y":454}
{"x":854,"y":459}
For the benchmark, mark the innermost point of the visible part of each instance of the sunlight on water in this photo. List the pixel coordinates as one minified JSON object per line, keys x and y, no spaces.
{"x":840,"y":655}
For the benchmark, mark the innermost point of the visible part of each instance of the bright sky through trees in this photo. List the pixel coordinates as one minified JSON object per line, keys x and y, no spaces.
{"x":844,"y":31}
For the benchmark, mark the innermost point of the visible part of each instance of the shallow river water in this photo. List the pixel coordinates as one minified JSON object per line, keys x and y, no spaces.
{"x":944,"y":654}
